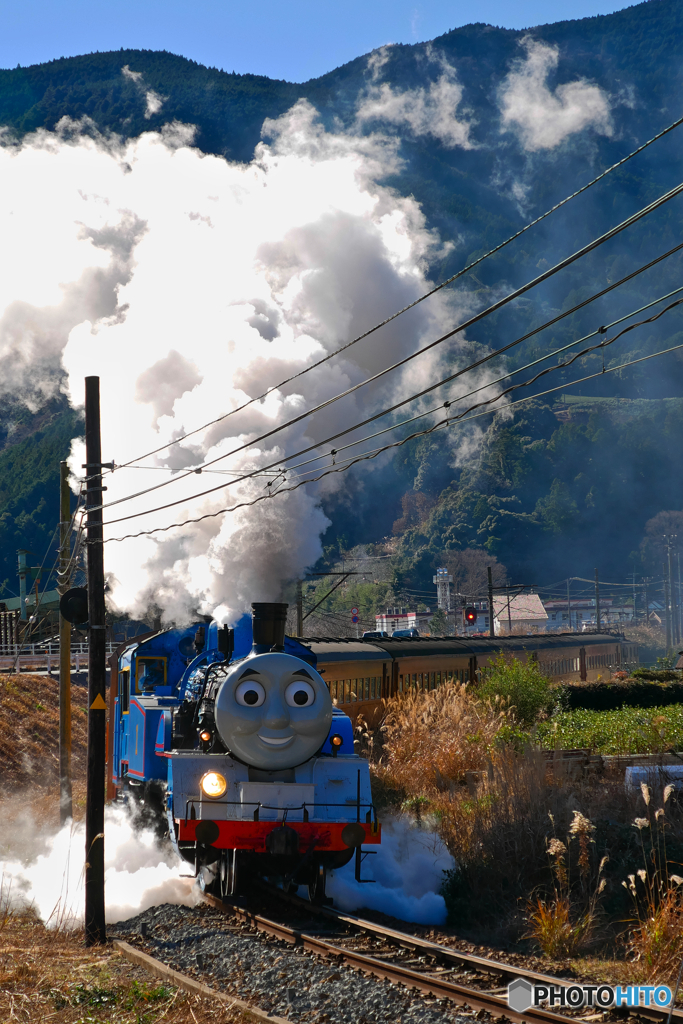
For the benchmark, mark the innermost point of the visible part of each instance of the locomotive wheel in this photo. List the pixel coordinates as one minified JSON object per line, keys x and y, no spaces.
{"x":316,"y":884}
{"x":232,"y":874}
{"x":225,"y":874}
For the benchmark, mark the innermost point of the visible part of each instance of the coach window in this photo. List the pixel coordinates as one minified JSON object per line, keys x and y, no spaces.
{"x":124,"y":691}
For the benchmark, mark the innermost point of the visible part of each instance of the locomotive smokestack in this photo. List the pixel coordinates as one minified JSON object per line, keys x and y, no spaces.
{"x":268,"y":621}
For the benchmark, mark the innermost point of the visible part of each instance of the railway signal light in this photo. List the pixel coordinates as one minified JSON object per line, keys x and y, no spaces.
{"x":73,"y":605}
{"x":470,"y":616}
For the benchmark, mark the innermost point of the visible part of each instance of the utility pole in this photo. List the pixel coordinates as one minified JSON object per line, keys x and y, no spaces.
{"x":65,"y":804}
{"x":678,"y":620}
{"x":670,"y":624}
{"x":95,"y":930}
{"x":667,"y":614}
{"x":646,"y":580}
{"x":569,"y":606}
{"x":597,"y":601}
{"x":492,"y":628}
{"x":299,"y":608}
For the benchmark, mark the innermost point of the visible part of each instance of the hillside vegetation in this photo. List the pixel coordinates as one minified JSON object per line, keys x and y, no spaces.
{"x":546,"y":487}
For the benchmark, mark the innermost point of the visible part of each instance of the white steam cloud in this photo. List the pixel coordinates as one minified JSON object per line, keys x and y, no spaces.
{"x":423,"y":111}
{"x":138,"y":872}
{"x":408,"y":872}
{"x":543,"y":118}
{"x":153,"y":101}
{"x":190,"y":284}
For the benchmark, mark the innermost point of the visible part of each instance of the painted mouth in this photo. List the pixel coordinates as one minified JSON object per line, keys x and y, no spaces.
{"x":271,"y":741}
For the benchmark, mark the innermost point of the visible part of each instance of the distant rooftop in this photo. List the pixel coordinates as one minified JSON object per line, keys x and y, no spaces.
{"x":522,"y":608}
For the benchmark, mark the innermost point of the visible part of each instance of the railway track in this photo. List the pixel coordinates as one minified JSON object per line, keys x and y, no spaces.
{"x":433,"y":969}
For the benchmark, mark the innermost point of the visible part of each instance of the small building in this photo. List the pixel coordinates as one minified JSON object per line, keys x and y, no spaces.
{"x":580,"y":613}
{"x":403,"y":618}
{"x":519,"y":613}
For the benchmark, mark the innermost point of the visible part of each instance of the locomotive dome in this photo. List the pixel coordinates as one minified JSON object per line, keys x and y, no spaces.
{"x":273,"y":711}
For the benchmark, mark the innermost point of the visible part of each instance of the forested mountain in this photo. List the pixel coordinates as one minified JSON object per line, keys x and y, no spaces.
{"x":494,"y":127}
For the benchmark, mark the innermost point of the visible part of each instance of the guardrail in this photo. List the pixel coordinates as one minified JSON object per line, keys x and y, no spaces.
{"x":24,"y":657}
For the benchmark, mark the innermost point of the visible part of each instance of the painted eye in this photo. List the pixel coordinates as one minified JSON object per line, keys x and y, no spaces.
{"x":250,"y":694}
{"x":299,"y":695}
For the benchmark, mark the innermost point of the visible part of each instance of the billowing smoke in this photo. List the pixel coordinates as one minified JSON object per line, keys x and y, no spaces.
{"x":405,"y":877}
{"x":431,"y":111}
{"x":189,"y":285}
{"x":543,"y":118}
{"x":46,"y":872}
{"x":153,"y":101}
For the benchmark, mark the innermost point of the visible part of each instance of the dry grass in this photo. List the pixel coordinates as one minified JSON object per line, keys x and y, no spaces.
{"x":496,"y":808}
{"x":432,"y":739}
{"x":29,"y":731}
{"x":51,"y":976}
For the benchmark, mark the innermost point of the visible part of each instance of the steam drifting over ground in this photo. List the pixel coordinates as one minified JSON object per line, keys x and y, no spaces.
{"x":138,"y":873}
{"x":189,"y":284}
{"x":408,"y":873}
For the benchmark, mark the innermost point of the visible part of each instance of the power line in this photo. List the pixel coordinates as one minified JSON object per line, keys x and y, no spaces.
{"x":371,"y":455}
{"x":450,"y":280}
{"x":447,"y":404}
{"x":384,"y":412}
{"x":483,"y":387}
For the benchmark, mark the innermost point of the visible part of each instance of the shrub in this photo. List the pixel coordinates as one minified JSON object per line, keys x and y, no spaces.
{"x":637,"y":693}
{"x":626,"y":731}
{"x":522,"y":685}
{"x":659,"y":675}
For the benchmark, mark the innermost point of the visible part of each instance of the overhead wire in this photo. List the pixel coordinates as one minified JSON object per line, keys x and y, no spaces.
{"x":492,"y":383}
{"x":398,"y":404}
{"x":370,"y":419}
{"x":465,"y":418}
{"x":427,"y":295}
{"x":371,"y":455}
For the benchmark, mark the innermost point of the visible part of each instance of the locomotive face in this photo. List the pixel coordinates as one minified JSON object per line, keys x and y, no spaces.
{"x":273,"y":711}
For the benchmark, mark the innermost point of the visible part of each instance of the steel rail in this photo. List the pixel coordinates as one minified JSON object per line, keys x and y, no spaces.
{"x":461,"y":995}
{"x":424,"y":982}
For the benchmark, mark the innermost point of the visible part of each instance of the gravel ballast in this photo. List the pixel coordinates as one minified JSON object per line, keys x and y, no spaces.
{"x":273,"y":975}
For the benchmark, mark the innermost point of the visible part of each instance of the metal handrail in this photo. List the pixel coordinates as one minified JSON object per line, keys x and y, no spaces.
{"x":258,"y":805}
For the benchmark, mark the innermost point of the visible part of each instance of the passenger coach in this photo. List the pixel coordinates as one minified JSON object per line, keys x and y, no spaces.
{"x":360,"y":673}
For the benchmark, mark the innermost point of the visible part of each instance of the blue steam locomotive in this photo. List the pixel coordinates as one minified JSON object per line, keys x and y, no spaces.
{"x":232,"y":734}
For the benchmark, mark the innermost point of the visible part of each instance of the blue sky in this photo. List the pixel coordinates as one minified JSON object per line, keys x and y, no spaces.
{"x":295,"y":40}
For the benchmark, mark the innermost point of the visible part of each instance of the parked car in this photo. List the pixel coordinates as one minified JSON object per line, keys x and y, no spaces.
{"x":375,"y":634}
{"x":406,"y":632}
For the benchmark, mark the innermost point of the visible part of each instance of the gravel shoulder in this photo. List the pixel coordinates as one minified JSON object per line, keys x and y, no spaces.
{"x":283,"y":980}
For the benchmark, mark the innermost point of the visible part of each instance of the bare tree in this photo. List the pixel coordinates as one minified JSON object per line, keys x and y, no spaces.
{"x":653,"y":544}
{"x":468,"y":569}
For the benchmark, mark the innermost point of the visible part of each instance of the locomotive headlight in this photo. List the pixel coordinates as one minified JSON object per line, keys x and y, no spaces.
{"x":213,"y":784}
{"x":336,"y":743}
